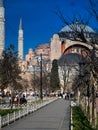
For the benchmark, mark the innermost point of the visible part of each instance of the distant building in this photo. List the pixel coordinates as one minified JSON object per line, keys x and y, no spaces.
{"x":43,"y":49}
{"x":60,"y":45}
{"x":32,"y":57}
{"x":71,"y":52}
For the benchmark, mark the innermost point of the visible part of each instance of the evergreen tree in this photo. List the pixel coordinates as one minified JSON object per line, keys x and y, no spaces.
{"x":54,"y":77}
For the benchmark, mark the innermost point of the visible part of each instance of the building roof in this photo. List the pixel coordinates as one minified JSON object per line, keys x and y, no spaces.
{"x":77,"y":26}
{"x":45,"y":45}
{"x":70,"y":59}
{"x":1,"y":3}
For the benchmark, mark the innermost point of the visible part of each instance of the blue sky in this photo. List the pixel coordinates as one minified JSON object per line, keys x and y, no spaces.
{"x":40,"y":21}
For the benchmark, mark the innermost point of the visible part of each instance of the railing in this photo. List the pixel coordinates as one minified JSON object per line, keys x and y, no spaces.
{"x":27,"y":109}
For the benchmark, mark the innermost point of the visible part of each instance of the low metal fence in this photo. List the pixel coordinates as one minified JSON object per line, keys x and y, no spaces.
{"x":26,"y":109}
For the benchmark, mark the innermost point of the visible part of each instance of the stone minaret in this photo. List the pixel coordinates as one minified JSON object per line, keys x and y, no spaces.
{"x":2,"y":26}
{"x":20,"y":41}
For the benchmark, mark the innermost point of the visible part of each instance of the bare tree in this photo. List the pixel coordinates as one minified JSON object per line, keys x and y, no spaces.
{"x":78,"y":30}
{"x":93,"y":8}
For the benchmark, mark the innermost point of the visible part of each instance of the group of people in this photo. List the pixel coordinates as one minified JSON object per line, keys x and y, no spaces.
{"x":21,"y":100}
{"x":65,"y":95}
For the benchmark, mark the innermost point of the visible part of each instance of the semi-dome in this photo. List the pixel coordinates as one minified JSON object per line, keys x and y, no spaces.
{"x":70,"y":59}
{"x":78,"y":27}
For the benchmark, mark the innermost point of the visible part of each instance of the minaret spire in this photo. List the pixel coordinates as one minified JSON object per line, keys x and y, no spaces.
{"x":2,"y":27}
{"x":1,"y":3}
{"x":20,"y":26}
{"x":20,"y":40}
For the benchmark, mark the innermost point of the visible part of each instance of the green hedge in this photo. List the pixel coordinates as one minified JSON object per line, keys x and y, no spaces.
{"x":6,"y":111}
{"x":80,"y":121}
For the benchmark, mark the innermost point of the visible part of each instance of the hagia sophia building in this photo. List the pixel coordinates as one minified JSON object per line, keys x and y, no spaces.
{"x":66,"y":51}
{"x":60,"y":47}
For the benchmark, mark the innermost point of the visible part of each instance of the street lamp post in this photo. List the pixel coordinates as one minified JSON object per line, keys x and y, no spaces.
{"x":33,"y":78}
{"x":41,"y":93}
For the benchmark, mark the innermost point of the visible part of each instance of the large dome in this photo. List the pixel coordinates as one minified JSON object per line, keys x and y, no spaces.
{"x":78,"y":27}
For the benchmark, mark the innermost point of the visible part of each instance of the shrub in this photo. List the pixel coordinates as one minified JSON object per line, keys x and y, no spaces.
{"x":6,"y":111}
{"x":80,"y":121}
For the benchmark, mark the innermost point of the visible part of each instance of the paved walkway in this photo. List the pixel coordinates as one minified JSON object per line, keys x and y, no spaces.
{"x":55,"y":116}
